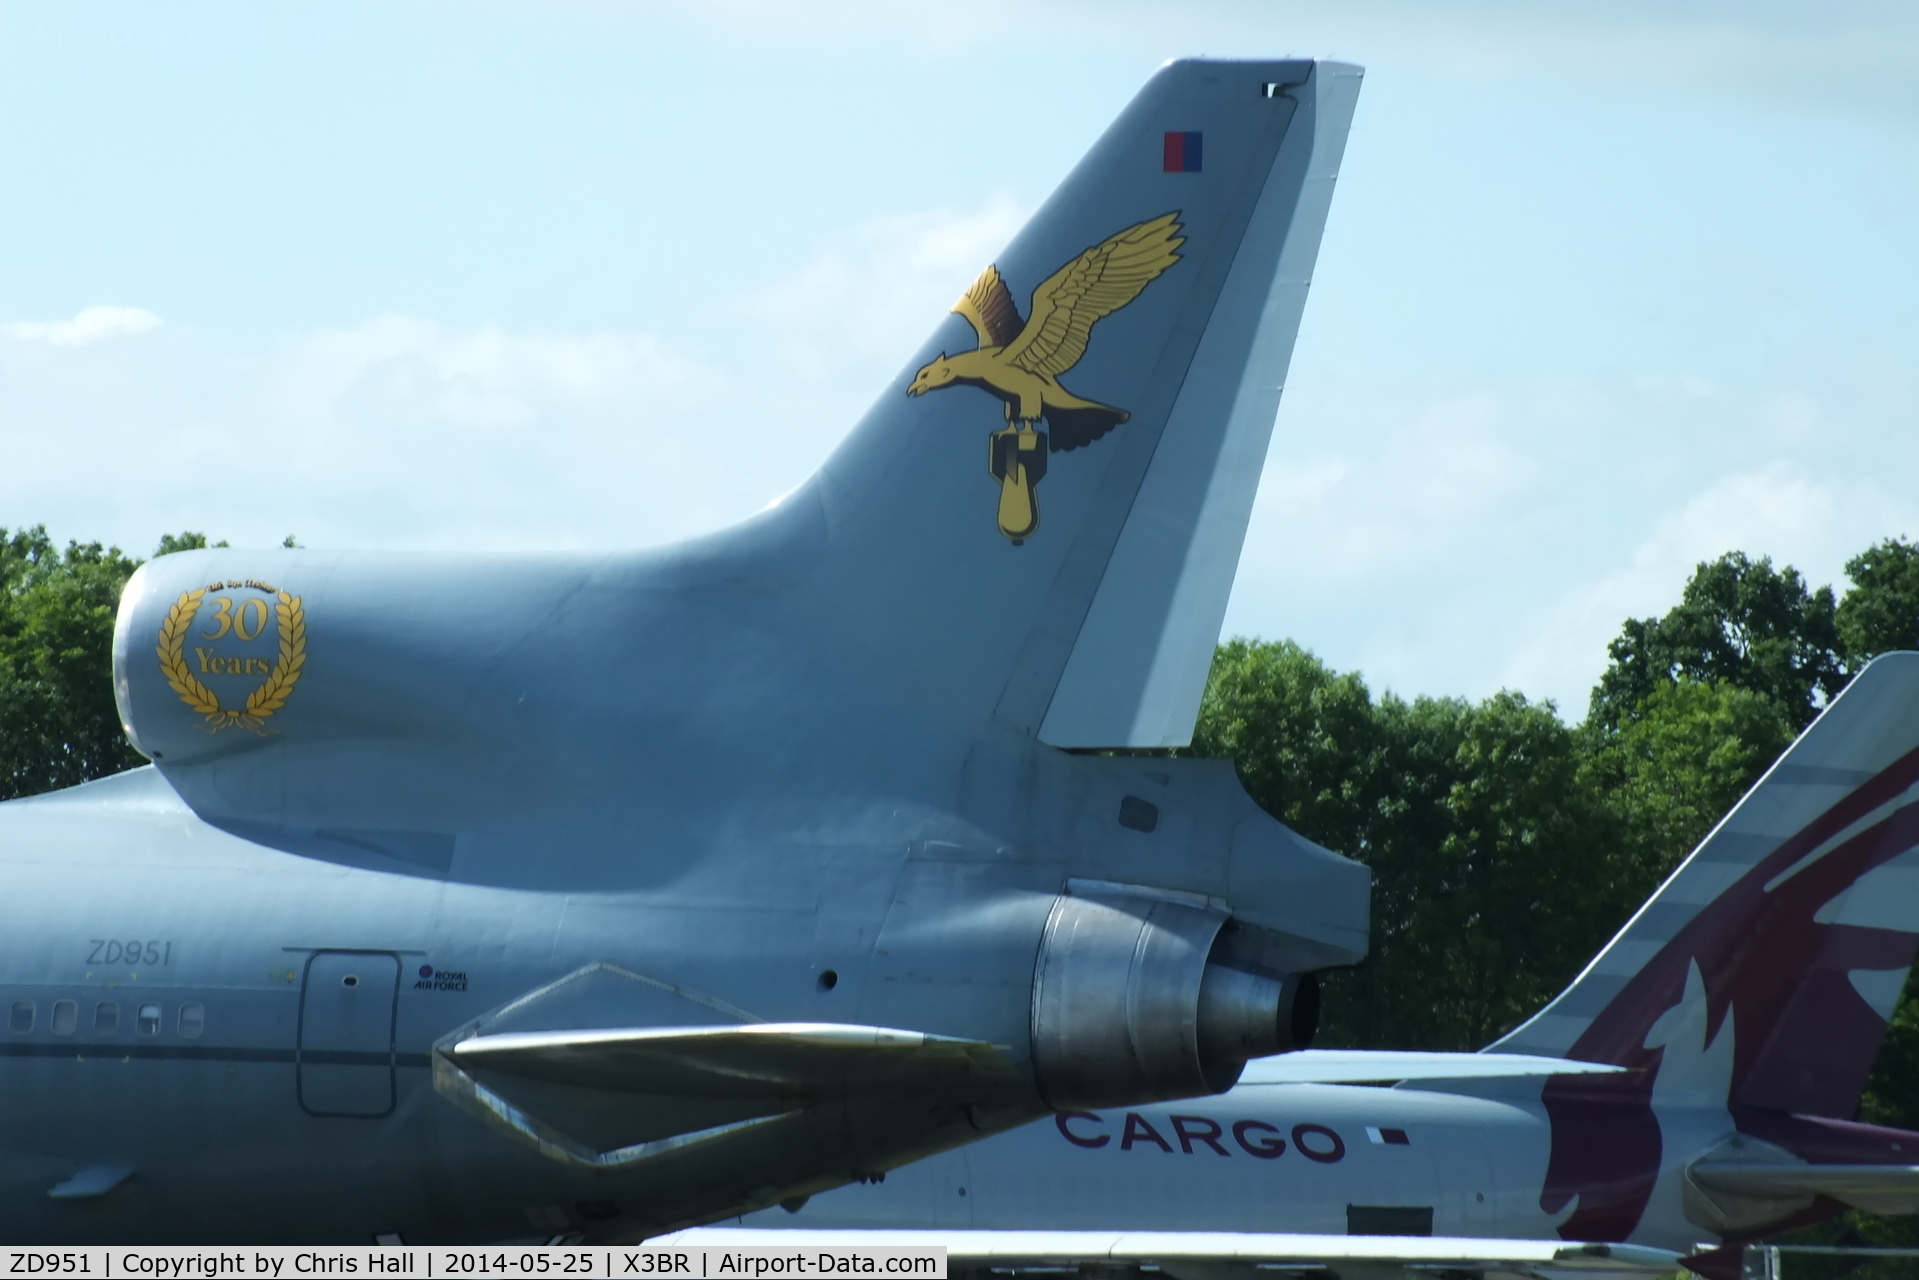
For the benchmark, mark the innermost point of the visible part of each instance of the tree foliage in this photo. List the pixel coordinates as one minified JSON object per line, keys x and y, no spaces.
{"x":188,"y":541}
{"x":1689,"y":750}
{"x":58,"y":722}
{"x":1507,"y":846}
{"x":1881,"y":612}
{"x":1739,"y":622}
{"x":1467,"y":814}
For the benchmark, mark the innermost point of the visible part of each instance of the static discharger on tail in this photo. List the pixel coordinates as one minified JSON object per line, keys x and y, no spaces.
{"x":1020,"y":361}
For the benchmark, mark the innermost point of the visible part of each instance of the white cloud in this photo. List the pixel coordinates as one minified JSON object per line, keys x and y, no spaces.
{"x":90,"y":325}
{"x":870,"y":297}
{"x":1786,"y":510}
{"x":1454,"y":539}
{"x":400,"y":432}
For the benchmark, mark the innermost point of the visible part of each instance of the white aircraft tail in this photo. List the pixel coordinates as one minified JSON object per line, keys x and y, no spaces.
{"x":1761,"y":977}
{"x":1790,"y":928}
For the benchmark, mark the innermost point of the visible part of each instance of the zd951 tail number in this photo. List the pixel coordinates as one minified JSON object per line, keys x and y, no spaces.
{"x":111,"y":951}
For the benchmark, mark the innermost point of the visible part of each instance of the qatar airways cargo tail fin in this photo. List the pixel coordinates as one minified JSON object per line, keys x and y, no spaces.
{"x":1766,"y":968}
{"x":1042,"y":515}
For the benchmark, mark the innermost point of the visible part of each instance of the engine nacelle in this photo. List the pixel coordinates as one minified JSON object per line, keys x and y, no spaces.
{"x":1130,"y":1005}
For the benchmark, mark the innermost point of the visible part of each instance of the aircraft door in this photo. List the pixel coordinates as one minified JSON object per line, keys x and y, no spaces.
{"x":347,"y":1012}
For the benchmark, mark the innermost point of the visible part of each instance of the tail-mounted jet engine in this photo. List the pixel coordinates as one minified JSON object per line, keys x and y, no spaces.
{"x":1130,"y":1002}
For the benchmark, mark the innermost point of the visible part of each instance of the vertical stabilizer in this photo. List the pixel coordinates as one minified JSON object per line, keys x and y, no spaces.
{"x":1041,"y":517}
{"x":1138,"y":666}
{"x":1792,"y":926}
{"x":1757,"y":984}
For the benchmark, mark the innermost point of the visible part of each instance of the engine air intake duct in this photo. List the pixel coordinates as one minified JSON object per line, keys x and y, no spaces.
{"x":1129,"y":1007}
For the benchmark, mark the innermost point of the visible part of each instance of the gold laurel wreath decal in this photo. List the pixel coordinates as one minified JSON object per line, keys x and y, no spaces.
{"x":263,"y":701}
{"x":173,"y":661}
{"x":268,"y":698}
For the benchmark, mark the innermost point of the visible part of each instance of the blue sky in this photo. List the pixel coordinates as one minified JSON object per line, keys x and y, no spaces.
{"x":1606,"y":290}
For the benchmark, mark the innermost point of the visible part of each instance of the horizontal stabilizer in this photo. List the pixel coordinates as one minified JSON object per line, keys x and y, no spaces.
{"x":820,"y":1059}
{"x":1349,"y":1066}
{"x":1166,"y":1250}
{"x":1875,"y":1188}
{"x":605,"y":1067}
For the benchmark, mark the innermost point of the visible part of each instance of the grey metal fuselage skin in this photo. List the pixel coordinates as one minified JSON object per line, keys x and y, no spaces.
{"x":739,"y":872}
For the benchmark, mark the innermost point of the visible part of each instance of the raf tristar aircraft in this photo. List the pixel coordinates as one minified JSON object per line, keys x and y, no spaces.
{"x":477,"y":897}
{"x":1700,"y":1080}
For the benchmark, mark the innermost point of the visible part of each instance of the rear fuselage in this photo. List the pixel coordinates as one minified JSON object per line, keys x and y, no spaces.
{"x":1306,"y":1159}
{"x":251,"y":1031}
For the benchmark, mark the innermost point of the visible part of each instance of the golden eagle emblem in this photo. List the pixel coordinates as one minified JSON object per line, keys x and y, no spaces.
{"x":1020,"y":361}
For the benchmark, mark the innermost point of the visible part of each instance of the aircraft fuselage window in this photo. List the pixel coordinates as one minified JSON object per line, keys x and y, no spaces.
{"x":351,"y":980}
{"x":106,"y":1018}
{"x":20,"y":1021}
{"x":66,"y":1017}
{"x":193,"y":1020}
{"x":147,"y":1020}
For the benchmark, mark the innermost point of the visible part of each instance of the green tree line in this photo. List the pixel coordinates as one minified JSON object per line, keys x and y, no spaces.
{"x":1507,"y":845}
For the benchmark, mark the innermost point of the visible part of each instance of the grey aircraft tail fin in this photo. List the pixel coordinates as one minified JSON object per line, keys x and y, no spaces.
{"x":1042,"y":515}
